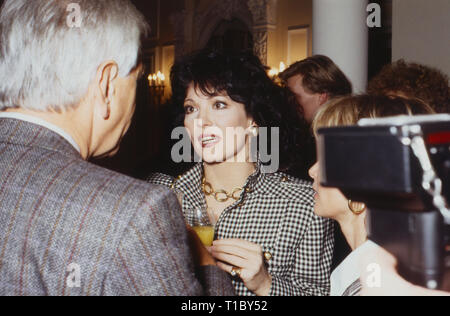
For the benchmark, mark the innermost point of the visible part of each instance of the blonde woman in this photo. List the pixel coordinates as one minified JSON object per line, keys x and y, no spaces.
{"x":330,"y":202}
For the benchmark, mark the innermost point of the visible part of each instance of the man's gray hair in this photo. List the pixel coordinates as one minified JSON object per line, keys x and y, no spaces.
{"x":50,"y":50}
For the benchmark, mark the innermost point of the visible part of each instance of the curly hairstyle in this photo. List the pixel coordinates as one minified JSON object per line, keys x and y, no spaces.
{"x":244,"y":79}
{"x":349,"y":110}
{"x":413,"y":81}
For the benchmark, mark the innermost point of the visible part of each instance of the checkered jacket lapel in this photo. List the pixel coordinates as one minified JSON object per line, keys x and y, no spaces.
{"x":190,"y":185}
{"x":274,"y":211}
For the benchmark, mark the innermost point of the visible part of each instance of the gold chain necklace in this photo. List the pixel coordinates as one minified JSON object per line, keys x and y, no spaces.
{"x":220,"y":195}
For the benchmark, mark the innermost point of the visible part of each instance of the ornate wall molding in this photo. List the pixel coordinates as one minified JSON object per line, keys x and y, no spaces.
{"x":219,"y":10}
{"x":264,"y":14}
{"x":194,"y":28}
{"x":260,"y":40}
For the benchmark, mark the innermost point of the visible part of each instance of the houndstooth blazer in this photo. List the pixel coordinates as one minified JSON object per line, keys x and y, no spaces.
{"x":68,"y":227}
{"x":274,"y":211}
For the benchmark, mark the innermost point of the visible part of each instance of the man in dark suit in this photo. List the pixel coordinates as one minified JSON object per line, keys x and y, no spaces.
{"x":67,"y":93}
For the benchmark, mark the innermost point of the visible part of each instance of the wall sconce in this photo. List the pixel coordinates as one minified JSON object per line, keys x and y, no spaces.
{"x":157,"y":79}
{"x":157,"y":86}
{"x":274,"y":72}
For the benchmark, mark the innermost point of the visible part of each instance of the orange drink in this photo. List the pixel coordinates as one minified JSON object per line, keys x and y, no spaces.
{"x":206,"y":234}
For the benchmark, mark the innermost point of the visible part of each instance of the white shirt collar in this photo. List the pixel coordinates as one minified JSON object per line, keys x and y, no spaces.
{"x":37,"y":121}
{"x":349,"y":270}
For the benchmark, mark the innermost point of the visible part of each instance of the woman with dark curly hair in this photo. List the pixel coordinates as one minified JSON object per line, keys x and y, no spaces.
{"x":266,"y":233}
{"x":411,"y":80}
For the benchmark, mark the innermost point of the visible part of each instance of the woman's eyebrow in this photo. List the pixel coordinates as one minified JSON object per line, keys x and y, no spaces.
{"x":218,"y":96}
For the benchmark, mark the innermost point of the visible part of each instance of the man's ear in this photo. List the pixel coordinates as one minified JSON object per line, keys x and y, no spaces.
{"x":106,"y":75}
{"x":323,"y":98}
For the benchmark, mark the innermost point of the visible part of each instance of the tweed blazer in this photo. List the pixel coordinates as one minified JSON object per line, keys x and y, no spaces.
{"x":276,"y":212}
{"x":68,"y":227}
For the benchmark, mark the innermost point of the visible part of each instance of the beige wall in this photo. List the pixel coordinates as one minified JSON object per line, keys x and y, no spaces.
{"x":291,"y":13}
{"x":421,"y":32}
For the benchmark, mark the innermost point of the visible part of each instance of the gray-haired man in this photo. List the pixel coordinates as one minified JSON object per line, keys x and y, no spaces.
{"x":67,"y":93}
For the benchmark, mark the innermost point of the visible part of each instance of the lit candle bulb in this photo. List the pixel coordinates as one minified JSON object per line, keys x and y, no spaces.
{"x":150,"y":78}
{"x":273,"y":72}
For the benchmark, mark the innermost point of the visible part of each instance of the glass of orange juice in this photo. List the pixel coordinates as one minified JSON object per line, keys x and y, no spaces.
{"x":202,"y":226}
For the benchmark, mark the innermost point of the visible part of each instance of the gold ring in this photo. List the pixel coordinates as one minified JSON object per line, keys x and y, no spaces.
{"x":236,"y":272}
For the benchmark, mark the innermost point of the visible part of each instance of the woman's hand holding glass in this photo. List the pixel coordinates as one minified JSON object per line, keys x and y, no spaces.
{"x":200,"y":254}
{"x":201,"y":236}
{"x":246,"y":260}
{"x":201,"y":224}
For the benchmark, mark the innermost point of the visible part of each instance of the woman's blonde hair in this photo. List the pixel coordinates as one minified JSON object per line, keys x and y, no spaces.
{"x":349,"y":110}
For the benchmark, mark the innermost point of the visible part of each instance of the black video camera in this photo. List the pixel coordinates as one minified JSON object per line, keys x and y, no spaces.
{"x":400,"y":168}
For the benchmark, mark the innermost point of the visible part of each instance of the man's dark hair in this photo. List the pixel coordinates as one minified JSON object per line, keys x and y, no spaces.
{"x":320,"y":75}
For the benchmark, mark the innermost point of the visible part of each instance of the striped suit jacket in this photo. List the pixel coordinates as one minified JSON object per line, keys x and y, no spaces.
{"x":68,"y":227}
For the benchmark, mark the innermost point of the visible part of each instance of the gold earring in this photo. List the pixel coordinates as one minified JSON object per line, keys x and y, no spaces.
{"x":254,"y":130}
{"x":356,"y":208}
